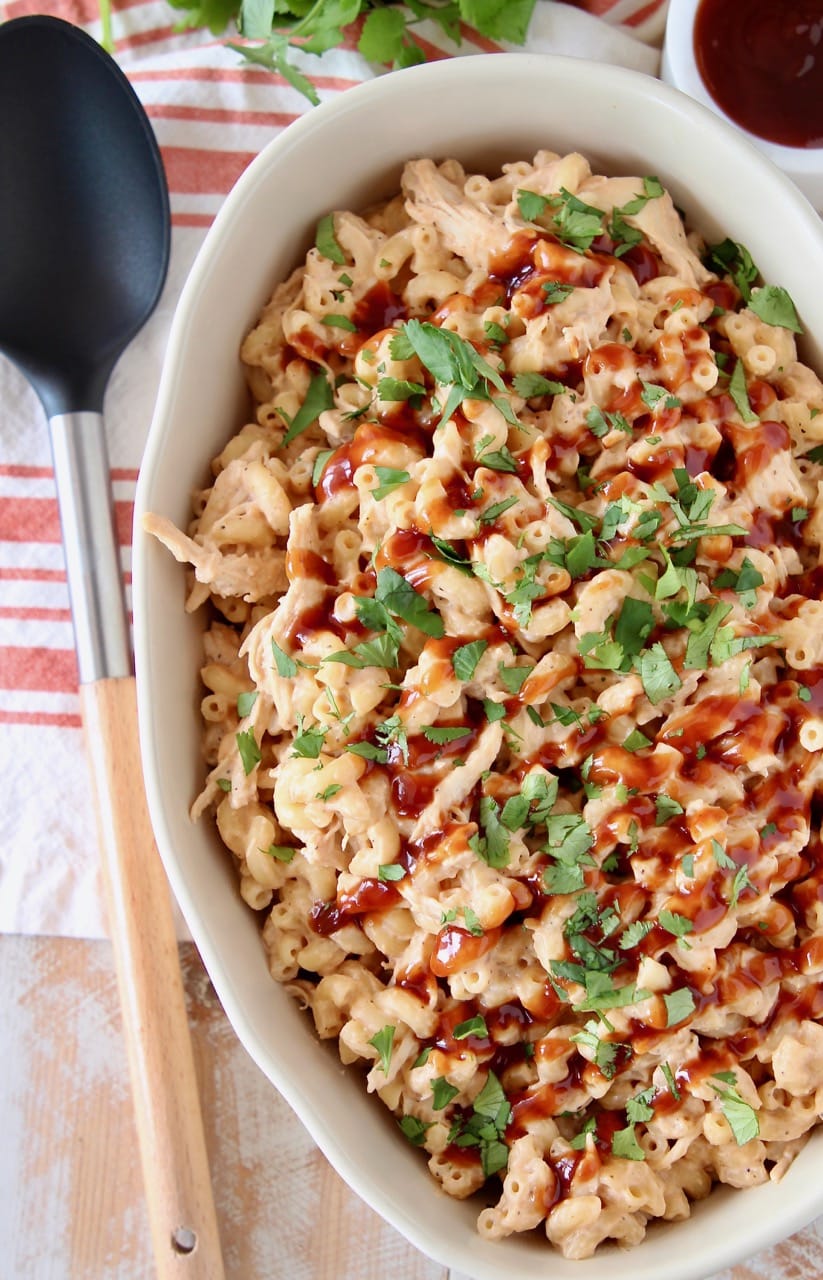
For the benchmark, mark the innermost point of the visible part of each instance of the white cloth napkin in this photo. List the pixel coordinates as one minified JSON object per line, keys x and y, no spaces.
{"x":212,"y":113}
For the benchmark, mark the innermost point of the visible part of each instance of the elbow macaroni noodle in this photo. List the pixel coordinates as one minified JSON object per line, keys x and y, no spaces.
{"x":513,"y":705}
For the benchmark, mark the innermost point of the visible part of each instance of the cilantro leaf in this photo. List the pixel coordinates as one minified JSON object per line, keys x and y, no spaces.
{"x":475,"y":1026}
{"x":400,"y":598}
{"x":320,"y":465}
{"x":493,"y":845}
{"x":245,"y":702}
{"x":319,"y":397}
{"x":442,"y":1093}
{"x":679,"y":1006}
{"x":531,"y":385}
{"x":326,"y":242}
{"x":497,"y":509}
{"x":396,"y":390}
{"x":665,"y":808}
{"x":635,"y":933}
{"x":382,"y":1041}
{"x":442,"y":734}
{"x":554,"y":292}
{"x":739,"y":393}
{"x":660,"y":680}
{"x":368,"y":751}
{"x":699,"y":643}
{"x":675,"y":923}
{"x":309,"y":742}
{"x":652,"y":395}
{"x":514,"y":677}
{"x":286,"y":666}
{"x":466,"y":658}
{"x":414,"y":1129}
{"x":741,"y":1116}
{"x":774,"y":305}
{"x":281,"y":852}
{"x":733,"y":259}
{"x":383,"y":34}
{"x":339,"y":322}
{"x":625,"y":1145}
{"x":390,"y":479}
{"x":249,"y":750}
{"x":531,"y":205}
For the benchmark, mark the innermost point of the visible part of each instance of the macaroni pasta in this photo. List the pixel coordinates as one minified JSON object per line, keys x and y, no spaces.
{"x":513,"y":703}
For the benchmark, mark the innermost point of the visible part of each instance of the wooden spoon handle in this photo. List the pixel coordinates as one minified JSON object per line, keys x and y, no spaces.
{"x":169,"y":1122}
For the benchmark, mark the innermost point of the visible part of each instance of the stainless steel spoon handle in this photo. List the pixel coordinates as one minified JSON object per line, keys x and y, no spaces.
{"x":95,"y":580}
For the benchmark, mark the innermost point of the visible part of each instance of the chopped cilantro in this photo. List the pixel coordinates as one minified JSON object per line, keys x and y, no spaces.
{"x":326,"y":242}
{"x":320,"y":465}
{"x":395,"y":390}
{"x":368,"y":751}
{"x":653,"y":395}
{"x":670,"y":1080}
{"x":635,"y":933}
{"x":741,"y":1116}
{"x":740,"y":394}
{"x":382,"y":1041}
{"x":730,"y":258}
{"x":281,"y":852}
{"x":414,"y":1129}
{"x":466,"y":658}
{"x":531,"y":385}
{"x":442,"y":1093}
{"x":390,"y":479}
{"x":531,"y":205}
{"x":774,"y":305}
{"x":249,"y":750}
{"x":493,"y":845}
{"x":679,"y":1006}
{"x":554,"y":292}
{"x":441,"y":734}
{"x":675,"y":923}
{"x":245,"y":702}
{"x":660,"y":680}
{"x":399,"y":597}
{"x":309,"y":742}
{"x":514,"y":677}
{"x":339,"y":322}
{"x":497,"y":509}
{"x":475,"y":1026}
{"x":665,"y":808}
{"x":318,"y":398}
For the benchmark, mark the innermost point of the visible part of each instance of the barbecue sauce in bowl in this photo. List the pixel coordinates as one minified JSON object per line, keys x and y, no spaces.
{"x":763,"y":64}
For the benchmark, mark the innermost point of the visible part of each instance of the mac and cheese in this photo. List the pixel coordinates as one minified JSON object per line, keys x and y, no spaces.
{"x":514,"y":687}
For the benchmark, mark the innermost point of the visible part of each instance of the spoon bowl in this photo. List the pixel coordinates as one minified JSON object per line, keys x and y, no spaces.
{"x":84,"y":215}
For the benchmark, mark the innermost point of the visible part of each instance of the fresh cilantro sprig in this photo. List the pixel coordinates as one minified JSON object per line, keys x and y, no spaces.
{"x":394,"y":598}
{"x":485,"y":1128}
{"x":740,"y":1114}
{"x":454,"y":363}
{"x":386,"y":37}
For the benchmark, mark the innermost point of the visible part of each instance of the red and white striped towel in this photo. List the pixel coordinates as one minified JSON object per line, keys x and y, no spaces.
{"x":212,"y":113}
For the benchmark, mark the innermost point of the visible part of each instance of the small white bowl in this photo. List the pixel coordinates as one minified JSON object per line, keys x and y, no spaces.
{"x":344,"y":155}
{"x":804,"y":165}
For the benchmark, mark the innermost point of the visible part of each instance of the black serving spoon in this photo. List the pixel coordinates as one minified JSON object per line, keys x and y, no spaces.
{"x":84,"y":249}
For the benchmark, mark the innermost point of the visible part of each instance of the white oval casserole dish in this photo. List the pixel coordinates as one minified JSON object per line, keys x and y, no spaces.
{"x":345,"y":155}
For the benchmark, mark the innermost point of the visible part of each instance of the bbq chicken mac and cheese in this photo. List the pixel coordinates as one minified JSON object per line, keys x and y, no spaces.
{"x":514,"y":687}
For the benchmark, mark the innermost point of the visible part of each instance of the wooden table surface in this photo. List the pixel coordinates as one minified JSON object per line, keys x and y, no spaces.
{"x":71,"y":1203}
